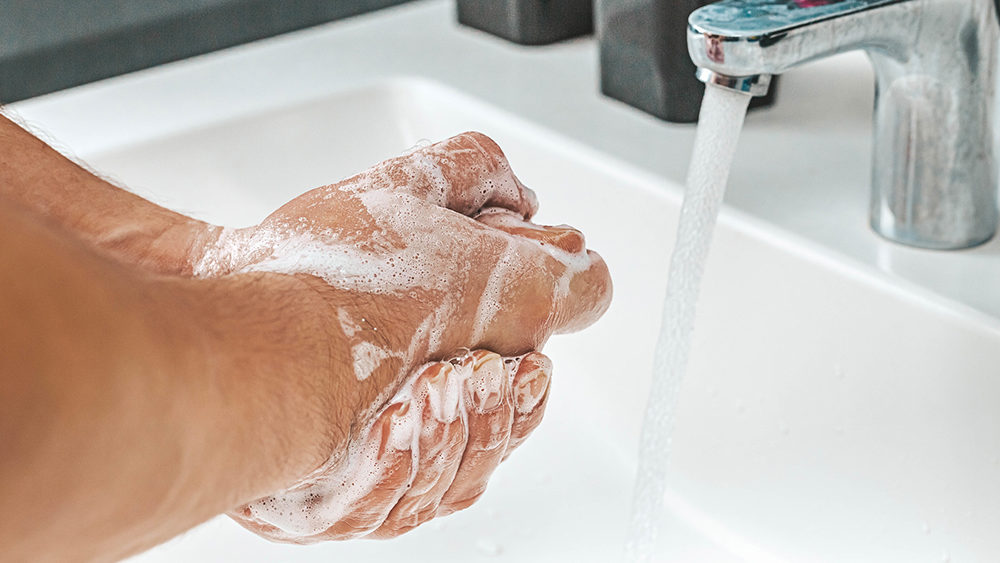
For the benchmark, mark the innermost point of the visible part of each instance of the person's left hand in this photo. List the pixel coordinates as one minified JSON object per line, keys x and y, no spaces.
{"x":429,"y":452}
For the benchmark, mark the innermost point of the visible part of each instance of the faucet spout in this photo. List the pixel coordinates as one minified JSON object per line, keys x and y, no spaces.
{"x":934,"y":166}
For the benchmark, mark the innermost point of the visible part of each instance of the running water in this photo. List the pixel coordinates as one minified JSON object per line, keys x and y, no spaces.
{"x":722,"y":115}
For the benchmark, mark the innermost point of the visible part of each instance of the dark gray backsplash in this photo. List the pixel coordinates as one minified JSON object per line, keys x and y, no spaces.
{"x":48,"y":45}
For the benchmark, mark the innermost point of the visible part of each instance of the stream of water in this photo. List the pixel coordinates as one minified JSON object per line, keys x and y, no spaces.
{"x":722,"y":116}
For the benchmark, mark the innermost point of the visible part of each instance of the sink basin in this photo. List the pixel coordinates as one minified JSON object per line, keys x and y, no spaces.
{"x":831,"y":411}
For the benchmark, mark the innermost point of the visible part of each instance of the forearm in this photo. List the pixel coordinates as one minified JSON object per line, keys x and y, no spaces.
{"x":136,"y":406}
{"x":38,"y":177}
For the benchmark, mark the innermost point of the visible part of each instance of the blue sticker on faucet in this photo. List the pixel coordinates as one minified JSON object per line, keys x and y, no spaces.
{"x":761,"y":17}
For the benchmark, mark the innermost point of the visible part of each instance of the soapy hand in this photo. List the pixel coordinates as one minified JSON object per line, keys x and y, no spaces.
{"x":416,"y":258}
{"x":315,"y":348}
{"x":433,"y":251}
{"x":428,"y":453}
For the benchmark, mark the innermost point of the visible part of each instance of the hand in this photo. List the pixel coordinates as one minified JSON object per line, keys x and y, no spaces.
{"x":295,"y":361}
{"x":418,"y":257}
{"x":428,"y":453}
{"x":438,"y":241}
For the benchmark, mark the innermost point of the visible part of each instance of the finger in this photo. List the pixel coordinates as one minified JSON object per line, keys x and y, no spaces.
{"x":562,"y":237}
{"x":352,"y":500}
{"x":441,"y":445}
{"x":469,"y":172}
{"x":572,"y":285}
{"x":244,"y":517}
{"x":489,"y":414}
{"x":374,"y":486}
{"x":587,"y":297}
{"x":464,"y":173}
{"x":530,"y":393}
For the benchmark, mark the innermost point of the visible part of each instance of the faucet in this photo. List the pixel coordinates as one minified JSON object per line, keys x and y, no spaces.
{"x":934,"y":163}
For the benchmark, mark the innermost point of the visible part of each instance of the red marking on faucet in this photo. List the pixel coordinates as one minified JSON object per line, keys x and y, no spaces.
{"x":714,"y":50}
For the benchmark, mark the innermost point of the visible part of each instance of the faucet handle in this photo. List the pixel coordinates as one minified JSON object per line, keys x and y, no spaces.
{"x":756,"y":18}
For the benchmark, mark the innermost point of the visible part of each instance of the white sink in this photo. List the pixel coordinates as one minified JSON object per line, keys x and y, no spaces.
{"x":831,"y":413}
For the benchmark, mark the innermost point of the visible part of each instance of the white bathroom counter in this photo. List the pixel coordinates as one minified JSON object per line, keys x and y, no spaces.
{"x":802,"y":166}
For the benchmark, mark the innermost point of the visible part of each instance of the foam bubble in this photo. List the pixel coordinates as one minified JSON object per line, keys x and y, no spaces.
{"x":366,"y":357}
{"x":489,"y":304}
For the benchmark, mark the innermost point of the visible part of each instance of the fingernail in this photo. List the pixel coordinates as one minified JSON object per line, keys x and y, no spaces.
{"x":531,"y":199}
{"x":529,"y":390}
{"x":567,"y":238}
{"x":443,"y":392}
{"x":531,"y":382}
{"x":487,"y":381}
{"x":397,"y":429}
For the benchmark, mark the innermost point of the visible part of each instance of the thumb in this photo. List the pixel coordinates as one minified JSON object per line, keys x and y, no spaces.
{"x":582,"y":291}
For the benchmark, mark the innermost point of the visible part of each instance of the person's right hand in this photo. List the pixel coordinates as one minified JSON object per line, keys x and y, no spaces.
{"x":435,"y":250}
{"x":421,"y":256}
{"x":417,"y":258}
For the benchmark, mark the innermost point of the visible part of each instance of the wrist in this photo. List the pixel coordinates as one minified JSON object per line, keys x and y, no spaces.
{"x":177,"y":250}
{"x":162,"y":242}
{"x":124,"y":225}
{"x":270,"y":380}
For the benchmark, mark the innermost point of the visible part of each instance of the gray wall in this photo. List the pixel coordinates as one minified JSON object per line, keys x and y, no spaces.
{"x":48,"y":45}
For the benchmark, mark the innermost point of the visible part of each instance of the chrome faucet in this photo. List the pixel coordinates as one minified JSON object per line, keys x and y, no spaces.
{"x":934,"y":165}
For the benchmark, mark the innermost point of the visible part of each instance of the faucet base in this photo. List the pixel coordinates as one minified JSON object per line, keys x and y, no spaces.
{"x":893,"y":231}
{"x":925,"y":245}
